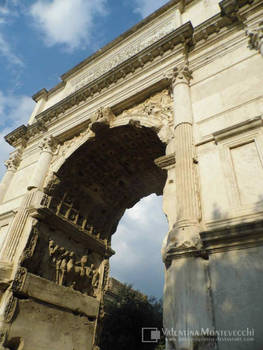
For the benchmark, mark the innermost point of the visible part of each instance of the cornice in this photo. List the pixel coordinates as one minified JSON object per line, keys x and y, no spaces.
{"x":237,"y":128}
{"x":125,"y":35}
{"x":231,"y":237}
{"x":40,"y":94}
{"x":178,"y":36}
{"x":185,"y":34}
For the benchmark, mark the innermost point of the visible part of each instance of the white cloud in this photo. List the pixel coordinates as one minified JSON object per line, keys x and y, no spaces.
{"x":137,"y":243}
{"x":7,"y":52}
{"x":67,"y":22}
{"x":146,"y":7}
{"x":14,"y":111}
{"x":6,"y":12}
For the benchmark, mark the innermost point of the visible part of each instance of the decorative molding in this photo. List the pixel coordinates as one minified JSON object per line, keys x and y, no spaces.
{"x":13,"y":162}
{"x":239,"y":128}
{"x":159,"y":105}
{"x":19,"y":280}
{"x":10,"y":309}
{"x":102,"y":118}
{"x":165,"y":161}
{"x":48,"y":144}
{"x":182,"y":75}
{"x":183,"y":34}
{"x":242,"y":235}
{"x":168,"y":42}
{"x":126,"y":51}
{"x":30,"y":248}
{"x":23,"y":133}
{"x":39,"y":288}
{"x":256,"y":38}
{"x":64,"y":208}
{"x":43,"y":93}
{"x":155,"y":112}
{"x":231,"y":237}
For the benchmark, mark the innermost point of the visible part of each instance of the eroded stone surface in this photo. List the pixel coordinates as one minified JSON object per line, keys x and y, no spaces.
{"x":182,"y":118}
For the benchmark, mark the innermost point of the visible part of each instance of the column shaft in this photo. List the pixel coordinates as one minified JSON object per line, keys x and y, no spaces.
{"x":187,"y":304}
{"x":43,"y":163}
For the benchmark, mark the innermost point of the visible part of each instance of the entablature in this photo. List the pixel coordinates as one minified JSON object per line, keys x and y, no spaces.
{"x":185,"y":35}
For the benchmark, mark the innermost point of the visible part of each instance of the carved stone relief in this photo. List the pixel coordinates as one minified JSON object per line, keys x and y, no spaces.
{"x":159,"y":105}
{"x":65,"y":260}
{"x":157,"y":109}
{"x":125,"y":52}
{"x":256,"y":38}
{"x":48,"y":144}
{"x":103,"y":169}
{"x":70,"y":211}
{"x":71,"y":272}
{"x":13,"y":162}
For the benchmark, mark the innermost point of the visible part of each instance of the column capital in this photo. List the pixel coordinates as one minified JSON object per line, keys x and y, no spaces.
{"x":47,"y":144}
{"x":181,"y":75}
{"x":14,"y":160}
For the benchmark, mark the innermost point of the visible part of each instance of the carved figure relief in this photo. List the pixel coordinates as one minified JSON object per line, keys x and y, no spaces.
{"x":80,"y":274}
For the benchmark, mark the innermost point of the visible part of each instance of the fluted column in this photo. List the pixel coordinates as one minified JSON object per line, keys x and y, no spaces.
{"x":187,"y":303}
{"x":186,"y":229}
{"x":47,"y":146}
{"x":17,"y":229}
{"x":11,"y":164}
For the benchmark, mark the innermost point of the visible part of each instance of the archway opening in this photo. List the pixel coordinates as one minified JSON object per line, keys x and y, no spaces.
{"x":82,"y":207}
{"x":137,"y":243}
{"x":107,"y":175}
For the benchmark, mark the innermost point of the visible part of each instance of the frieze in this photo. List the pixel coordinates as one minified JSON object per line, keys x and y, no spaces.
{"x":71,"y":272}
{"x":182,"y":34}
{"x":168,"y":42}
{"x":124,"y":53}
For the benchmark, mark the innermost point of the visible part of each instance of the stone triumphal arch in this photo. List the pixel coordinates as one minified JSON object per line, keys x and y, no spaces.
{"x":172,"y":107}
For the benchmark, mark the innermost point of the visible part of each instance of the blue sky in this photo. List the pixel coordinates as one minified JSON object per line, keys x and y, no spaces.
{"x":39,"y":41}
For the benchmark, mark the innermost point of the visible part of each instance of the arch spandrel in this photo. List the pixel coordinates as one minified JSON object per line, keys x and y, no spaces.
{"x":156,"y":113}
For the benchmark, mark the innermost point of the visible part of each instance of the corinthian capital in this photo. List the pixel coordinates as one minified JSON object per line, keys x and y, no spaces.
{"x":47,"y":144}
{"x":13,"y":162}
{"x":256,"y":38}
{"x":181,"y":75}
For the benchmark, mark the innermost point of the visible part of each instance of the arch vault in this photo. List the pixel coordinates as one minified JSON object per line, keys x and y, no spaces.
{"x":172,"y":107}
